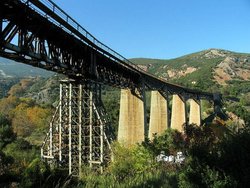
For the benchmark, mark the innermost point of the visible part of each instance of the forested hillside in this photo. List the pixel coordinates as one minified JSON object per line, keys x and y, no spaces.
{"x":11,"y":73}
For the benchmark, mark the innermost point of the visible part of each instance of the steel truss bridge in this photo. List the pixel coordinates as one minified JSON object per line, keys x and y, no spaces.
{"x":40,"y":34}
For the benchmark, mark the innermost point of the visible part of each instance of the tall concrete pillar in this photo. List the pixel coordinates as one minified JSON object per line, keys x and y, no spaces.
{"x":158,"y":122}
{"x":131,"y":119}
{"x":195,"y":112}
{"x":178,"y":118}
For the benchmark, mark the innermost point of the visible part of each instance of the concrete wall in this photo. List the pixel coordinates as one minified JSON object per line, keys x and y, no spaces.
{"x":158,"y":122}
{"x":131,"y":118}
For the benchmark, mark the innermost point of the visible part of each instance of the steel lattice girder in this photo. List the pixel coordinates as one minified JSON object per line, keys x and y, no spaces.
{"x":41,"y":45}
{"x":78,"y":133}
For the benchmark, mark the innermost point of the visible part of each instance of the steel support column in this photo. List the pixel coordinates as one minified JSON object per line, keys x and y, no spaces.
{"x":77,"y":134}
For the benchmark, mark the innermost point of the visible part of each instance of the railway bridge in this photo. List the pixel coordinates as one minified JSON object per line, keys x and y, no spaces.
{"x":41,"y":34}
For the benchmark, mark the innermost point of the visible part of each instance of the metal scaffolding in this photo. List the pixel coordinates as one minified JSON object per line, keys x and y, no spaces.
{"x":79,"y":130}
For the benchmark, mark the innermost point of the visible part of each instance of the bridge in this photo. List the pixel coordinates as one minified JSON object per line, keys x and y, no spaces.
{"x":41,"y":34}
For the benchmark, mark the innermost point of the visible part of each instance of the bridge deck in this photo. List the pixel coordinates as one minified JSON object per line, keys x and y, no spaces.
{"x":41,"y":34}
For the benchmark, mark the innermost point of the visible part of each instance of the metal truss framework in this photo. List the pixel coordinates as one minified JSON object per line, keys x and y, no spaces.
{"x":29,"y":36}
{"x":41,"y":34}
{"x":78,"y":133}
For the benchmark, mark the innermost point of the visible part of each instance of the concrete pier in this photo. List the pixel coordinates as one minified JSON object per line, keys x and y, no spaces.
{"x":158,"y":122}
{"x":195,"y":112}
{"x":131,"y":118}
{"x":178,"y":118}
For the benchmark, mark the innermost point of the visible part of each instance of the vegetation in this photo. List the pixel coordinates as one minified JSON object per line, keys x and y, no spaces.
{"x":215,"y":155}
{"x":222,"y":163}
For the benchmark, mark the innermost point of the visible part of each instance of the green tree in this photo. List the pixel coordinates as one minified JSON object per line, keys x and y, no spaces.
{"x":35,"y":174}
{"x":201,"y":168}
{"x":6,"y":135}
{"x":233,"y":156}
{"x":169,"y":142}
{"x":6,"y":162}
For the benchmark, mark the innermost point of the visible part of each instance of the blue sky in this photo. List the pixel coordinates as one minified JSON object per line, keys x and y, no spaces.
{"x":164,"y":28}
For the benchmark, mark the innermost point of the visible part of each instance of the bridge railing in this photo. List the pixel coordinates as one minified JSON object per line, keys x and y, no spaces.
{"x":91,"y":40}
{"x":107,"y":51}
{"x":68,"y":19}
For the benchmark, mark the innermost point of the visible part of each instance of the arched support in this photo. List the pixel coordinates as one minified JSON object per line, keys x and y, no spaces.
{"x":132,"y":118}
{"x":158,"y":122}
{"x":179,"y":116}
{"x":195,"y":112}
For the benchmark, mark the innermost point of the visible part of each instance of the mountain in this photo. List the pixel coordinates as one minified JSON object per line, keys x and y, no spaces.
{"x":12,"y":72}
{"x":10,"y":69}
{"x":213,"y":70}
{"x":202,"y":69}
